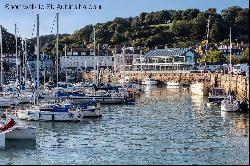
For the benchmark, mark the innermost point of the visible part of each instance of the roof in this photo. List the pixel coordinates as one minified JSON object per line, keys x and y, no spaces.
{"x":168,"y":52}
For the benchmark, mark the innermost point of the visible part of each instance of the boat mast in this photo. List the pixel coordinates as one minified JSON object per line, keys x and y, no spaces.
{"x":37,"y":58}
{"x":172,"y":68}
{"x":65,"y":52}
{"x":16,"y":53}
{"x":208,"y":31}
{"x":44,"y":70}
{"x":123,"y":61}
{"x":95,"y":62}
{"x":25,"y":61}
{"x":57,"y":45}
{"x":230,"y":65}
{"x":1,"y":47}
{"x":22,"y":68}
{"x":114,"y":73}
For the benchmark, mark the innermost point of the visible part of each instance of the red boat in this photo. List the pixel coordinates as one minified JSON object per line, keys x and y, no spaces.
{"x":10,"y":123}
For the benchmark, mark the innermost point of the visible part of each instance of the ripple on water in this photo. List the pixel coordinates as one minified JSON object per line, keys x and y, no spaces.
{"x":164,"y":127}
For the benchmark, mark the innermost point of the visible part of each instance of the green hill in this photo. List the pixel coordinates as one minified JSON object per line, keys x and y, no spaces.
{"x":174,"y":28}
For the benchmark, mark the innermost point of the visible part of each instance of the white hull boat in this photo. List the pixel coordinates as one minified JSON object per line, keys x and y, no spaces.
{"x":174,"y":84}
{"x":90,"y":112}
{"x":22,"y":132}
{"x":17,"y":132}
{"x":47,"y":95}
{"x":199,"y":89}
{"x":148,"y":81}
{"x":8,"y":102}
{"x":101,"y":99}
{"x":50,"y":113}
{"x":26,"y":97}
{"x":230,"y":104}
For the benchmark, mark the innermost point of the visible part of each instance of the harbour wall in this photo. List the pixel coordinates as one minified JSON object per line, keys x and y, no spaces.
{"x":239,"y":83}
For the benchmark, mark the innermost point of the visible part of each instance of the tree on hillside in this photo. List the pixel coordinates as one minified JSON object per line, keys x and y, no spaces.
{"x":198,"y":30}
{"x":176,"y":28}
{"x":190,"y":14}
{"x":214,"y":57}
{"x":181,"y":29}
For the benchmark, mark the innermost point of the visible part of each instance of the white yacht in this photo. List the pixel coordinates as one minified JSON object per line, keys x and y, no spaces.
{"x":199,"y":88}
{"x":60,"y":112}
{"x":230,"y":103}
{"x":149,"y":81}
{"x":174,"y":84}
{"x":8,"y":99}
{"x":26,"y":97}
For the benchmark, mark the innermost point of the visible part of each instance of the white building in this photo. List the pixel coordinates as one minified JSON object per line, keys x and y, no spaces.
{"x":45,"y":62}
{"x":128,"y":60}
{"x":167,"y":59}
{"x":80,"y":61}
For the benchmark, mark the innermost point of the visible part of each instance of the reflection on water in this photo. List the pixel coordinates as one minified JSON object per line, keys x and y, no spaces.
{"x":166,"y":126}
{"x":20,"y":144}
{"x":238,"y":121}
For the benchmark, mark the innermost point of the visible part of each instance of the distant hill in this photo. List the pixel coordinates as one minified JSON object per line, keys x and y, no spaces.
{"x":173,"y":28}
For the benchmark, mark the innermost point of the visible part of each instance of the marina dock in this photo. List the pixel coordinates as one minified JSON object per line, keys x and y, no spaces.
{"x":240,"y":83}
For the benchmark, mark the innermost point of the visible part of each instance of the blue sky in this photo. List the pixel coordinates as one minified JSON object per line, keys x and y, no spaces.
{"x":72,"y":20}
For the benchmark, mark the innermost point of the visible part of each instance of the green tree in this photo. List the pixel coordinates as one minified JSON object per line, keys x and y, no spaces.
{"x":234,"y":59}
{"x":181,"y":29}
{"x":245,"y":57}
{"x":214,"y":57}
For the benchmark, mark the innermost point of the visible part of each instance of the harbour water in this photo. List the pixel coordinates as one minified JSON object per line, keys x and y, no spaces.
{"x":164,"y":127}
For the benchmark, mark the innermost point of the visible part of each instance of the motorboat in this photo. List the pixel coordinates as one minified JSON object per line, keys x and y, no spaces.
{"x":215,"y":96}
{"x":104,"y":97}
{"x":149,"y":81}
{"x":230,"y":103}
{"x":134,"y":89}
{"x":89,"y":109}
{"x":199,"y":88}
{"x":9,"y":130}
{"x":174,"y":84}
{"x":59,"y":112}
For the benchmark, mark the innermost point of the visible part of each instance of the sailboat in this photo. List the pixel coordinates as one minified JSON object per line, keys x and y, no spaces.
{"x":6,"y":98}
{"x":200,"y":87}
{"x":55,"y":112}
{"x":174,"y":84}
{"x":230,"y":103}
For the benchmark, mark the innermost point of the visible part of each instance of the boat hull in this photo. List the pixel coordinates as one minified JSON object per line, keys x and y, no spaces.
{"x":36,"y":115}
{"x":199,"y":89}
{"x":150,"y":83}
{"x":102,"y":100}
{"x":8,"y":103}
{"x":20,"y":132}
{"x":227,"y":106}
